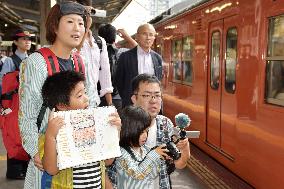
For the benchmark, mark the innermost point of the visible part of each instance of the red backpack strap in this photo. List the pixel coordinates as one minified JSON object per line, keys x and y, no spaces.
{"x":78,"y":62}
{"x":52,"y":67}
{"x":50,"y":60}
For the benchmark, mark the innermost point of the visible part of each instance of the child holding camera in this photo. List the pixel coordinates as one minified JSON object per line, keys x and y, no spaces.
{"x":138,"y":166}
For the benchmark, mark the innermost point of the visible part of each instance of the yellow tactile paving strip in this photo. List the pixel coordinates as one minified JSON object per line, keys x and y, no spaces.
{"x":3,"y":157}
{"x":212,"y":180}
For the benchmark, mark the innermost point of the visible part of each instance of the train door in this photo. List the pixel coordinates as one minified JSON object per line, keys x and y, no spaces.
{"x":214,"y":85}
{"x":221,"y":98}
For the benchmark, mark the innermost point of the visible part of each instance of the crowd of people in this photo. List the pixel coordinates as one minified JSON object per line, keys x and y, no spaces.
{"x":129,"y":79}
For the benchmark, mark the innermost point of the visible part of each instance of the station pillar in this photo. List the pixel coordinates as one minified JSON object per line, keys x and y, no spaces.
{"x":45,"y":6}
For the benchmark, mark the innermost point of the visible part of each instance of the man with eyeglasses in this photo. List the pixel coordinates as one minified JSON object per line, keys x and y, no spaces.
{"x":146,"y":93}
{"x":141,"y":59}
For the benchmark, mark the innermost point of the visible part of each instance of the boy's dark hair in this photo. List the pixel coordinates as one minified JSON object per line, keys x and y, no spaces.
{"x":108,"y":32}
{"x":134,"y":121}
{"x":57,"y":88}
{"x":142,"y":78}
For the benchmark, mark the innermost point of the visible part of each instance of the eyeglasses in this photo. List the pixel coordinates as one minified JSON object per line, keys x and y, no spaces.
{"x":149,"y":97}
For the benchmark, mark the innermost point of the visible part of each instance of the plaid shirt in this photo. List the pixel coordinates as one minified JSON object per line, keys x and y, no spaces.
{"x":164,"y":133}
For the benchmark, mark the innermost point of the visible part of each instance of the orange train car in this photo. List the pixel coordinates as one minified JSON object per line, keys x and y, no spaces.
{"x":224,"y":67}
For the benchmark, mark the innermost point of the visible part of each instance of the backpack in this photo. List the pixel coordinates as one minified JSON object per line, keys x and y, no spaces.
{"x":112,"y":56}
{"x":99,"y":42}
{"x":10,"y":103}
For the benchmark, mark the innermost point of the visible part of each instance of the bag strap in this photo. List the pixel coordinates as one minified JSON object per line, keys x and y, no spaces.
{"x":78,"y":62}
{"x":50,"y":60}
{"x":100,"y":45}
{"x":128,"y":149}
{"x":17,"y":61}
{"x":99,"y":42}
{"x":52,"y":67}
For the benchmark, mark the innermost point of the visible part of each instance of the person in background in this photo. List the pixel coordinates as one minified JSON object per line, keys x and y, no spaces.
{"x":94,"y":51}
{"x":147,"y":93}
{"x":20,"y":47}
{"x":3,"y":56}
{"x":138,"y":60}
{"x":109,"y":33}
{"x":139,"y":165}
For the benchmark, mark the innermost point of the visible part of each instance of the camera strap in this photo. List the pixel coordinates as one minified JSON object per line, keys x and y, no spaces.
{"x":128,"y":149}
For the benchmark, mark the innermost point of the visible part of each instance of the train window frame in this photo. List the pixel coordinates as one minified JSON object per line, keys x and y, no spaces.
{"x":187,"y":59}
{"x":231,"y":53}
{"x":177,"y":60}
{"x":215,"y":86}
{"x":274,"y":72}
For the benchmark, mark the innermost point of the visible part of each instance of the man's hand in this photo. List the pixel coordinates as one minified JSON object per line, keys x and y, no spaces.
{"x":183,"y":144}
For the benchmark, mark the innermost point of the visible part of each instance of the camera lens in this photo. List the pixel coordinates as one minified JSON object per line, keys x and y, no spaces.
{"x":93,"y":11}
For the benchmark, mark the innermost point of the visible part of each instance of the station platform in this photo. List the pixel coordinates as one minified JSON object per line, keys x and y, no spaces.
{"x":202,"y":172}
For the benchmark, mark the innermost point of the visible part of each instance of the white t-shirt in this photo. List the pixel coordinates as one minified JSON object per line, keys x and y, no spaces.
{"x":152,"y":135}
{"x":151,"y":142}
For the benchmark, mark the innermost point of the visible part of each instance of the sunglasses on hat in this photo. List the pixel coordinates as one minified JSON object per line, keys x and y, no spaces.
{"x":72,"y":8}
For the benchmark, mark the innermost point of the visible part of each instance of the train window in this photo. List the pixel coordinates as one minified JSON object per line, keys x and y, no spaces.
{"x":231,"y":60}
{"x":215,"y":60}
{"x":276,"y":34}
{"x":176,"y":58}
{"x":275,"y":62}
{"x":187,"y":59}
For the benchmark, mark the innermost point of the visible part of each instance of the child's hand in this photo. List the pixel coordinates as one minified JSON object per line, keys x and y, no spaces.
{"x":115,"y":120}
{"x":162,"y":151}
{"x":54,"y":124}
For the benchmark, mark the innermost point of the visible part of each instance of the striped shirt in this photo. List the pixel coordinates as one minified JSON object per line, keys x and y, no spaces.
{"x":97,"y":69}
{"x":87,"y":176}
{"x":139,"y":174}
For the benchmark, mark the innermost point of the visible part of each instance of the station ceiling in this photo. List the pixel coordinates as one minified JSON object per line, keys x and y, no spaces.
{"x":26,"y":13}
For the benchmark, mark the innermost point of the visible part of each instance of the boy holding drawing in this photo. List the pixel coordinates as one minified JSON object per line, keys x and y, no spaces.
{"x":66,"y":91}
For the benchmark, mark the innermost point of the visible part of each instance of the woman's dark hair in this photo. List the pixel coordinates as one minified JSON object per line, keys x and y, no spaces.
{"x":58,"y":87}
{"x":134,"y":121}
{"x":52,"y":23}
{"x":108,"y":32}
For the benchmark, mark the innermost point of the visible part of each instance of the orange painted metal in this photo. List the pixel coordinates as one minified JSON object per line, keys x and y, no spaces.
{"x":239,"y":130}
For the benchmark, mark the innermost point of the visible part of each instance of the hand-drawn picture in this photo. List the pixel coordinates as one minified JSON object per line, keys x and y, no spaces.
{"x":86,"y":137}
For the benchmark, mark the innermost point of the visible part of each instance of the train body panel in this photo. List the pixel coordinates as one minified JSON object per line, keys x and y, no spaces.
{"x":222,"y":60}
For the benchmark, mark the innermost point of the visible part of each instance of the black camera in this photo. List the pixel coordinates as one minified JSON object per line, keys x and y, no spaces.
{"x":173,"y":150}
